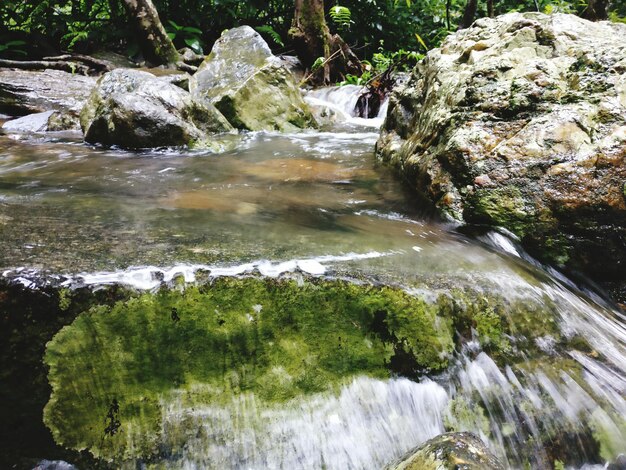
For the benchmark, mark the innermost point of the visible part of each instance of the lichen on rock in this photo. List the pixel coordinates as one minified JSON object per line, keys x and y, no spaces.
{"x":520,"y":122}
{"x":135,"y":109}
{"x":250,"y":86}
{"x":450,"y":451}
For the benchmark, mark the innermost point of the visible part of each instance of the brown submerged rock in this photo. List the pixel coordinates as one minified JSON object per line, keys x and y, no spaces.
{"x":520,"y":122}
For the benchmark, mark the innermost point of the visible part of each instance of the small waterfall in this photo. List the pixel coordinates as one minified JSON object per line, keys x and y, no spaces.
{"x":341,"y":101}
{"x":367,"y":424}
{"x":531,"y":410}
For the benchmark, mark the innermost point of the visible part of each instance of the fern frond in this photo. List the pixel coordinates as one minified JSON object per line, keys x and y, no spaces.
{"x":341,"y":16}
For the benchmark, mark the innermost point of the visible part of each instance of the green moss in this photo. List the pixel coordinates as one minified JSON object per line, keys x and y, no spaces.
{"x":505,"y":207}
{"x":462,"y":415}
{"x":608,"y":431}
{"x":111,"y":369}
{"x":65,"y":299}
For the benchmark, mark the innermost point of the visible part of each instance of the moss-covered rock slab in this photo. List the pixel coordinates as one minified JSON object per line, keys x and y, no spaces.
{"x":114,"y":368}
{"x":250,"y":86}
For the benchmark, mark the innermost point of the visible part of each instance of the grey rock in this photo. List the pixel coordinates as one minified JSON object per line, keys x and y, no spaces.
{"x":450,"y":451}
{"x":135,"y":109}
{"x":26,"y":92}
{"x":250,"y":86}
{"x":520,"y":122}
{"x":43,"y":122}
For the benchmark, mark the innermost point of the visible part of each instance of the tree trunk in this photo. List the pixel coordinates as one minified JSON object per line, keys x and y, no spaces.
{"x":469,"y":14}
{"x":155,"y":44}
{"x":490,"y":12}
{"x":312,"y":39}
{"x":596,"y":10}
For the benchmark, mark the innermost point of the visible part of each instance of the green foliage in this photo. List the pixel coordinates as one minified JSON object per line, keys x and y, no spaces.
{"x":12,"y":48}
{"x":271,"y":32}
{"x":189,"y":35}
{"x":319,"y":62}
{"x":367,"y":25}
{"x":402,"y":60}
{"x":341,"y":17}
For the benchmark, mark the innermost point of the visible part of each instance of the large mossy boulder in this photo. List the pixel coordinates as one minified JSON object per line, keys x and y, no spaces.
{"x":450,"y":451}
{"x":520,"y":122}
{"x":127,"y":373}
{"x":250,"y":86}
{"x":135,"y":109}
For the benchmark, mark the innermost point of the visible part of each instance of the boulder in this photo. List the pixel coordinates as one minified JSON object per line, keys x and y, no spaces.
{"x":26,"y":92}
{"x":135,"y":109}
{"x":450,"y":451}
{"x":250,"y":86}
{"x":520,"y":122}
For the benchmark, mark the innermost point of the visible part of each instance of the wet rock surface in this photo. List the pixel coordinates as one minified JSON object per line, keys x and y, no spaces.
{"x":135,"y":109}
{"x":450,"y":451}
{"x":254,"y":89}
{"x":47,"y":121}
{"x":26,"y":92}
{"x":520,"y":122}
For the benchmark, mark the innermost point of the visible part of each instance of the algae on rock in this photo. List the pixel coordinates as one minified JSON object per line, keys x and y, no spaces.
{"x":520,"y":122}
{"x":113,"y":368}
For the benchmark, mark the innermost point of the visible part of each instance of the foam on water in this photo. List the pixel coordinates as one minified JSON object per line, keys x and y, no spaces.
{"x":150,"y":277}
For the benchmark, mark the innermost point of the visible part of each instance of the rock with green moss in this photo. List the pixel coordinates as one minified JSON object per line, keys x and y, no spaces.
{"x":135,"y":109}
{"x":450,"y":451}
{"x":114,"y":370}
{"x":250,"y":86}
{"x":520,"y":122}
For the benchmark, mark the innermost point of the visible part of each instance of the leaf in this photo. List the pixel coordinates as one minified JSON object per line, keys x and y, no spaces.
{"x":421,"y":41}
{"x":317,"y":64}
{"x":172,"y":36}
{"x":195,"y":45}
{"x":271,"y":32}
{"x":174,"y":25}
{"x":191,"y":29}
{"x":341,"y":16}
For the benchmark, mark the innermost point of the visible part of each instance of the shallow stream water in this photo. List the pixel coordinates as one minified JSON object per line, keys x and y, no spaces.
{"x":317,"y":203}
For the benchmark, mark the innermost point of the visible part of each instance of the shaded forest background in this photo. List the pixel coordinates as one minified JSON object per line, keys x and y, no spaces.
{"x":374,"y":29}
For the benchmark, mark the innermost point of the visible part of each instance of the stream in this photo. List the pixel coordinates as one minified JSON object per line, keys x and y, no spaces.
{"x":304,"y":207}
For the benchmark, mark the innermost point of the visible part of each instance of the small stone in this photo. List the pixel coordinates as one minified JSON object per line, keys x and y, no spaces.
{"x":483,"y":180}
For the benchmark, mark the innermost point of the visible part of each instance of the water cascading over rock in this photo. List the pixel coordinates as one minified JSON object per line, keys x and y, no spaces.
{"x":520,"y":122}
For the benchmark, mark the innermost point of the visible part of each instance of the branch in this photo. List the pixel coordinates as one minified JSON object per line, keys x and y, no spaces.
{"x":95,"y":64}
{"x":323,"y":64}
{"x":67,"y":66}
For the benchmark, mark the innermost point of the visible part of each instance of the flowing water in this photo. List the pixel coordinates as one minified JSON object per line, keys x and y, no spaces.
{"x":317,"y":204}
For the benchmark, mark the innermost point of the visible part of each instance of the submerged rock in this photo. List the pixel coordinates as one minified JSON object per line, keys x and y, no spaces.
{"x":520,"y":122}
{"x":26,"y":92}
{"x":450,"y":451}
{"x":135,"y":109}
{"x":250,"y":86}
